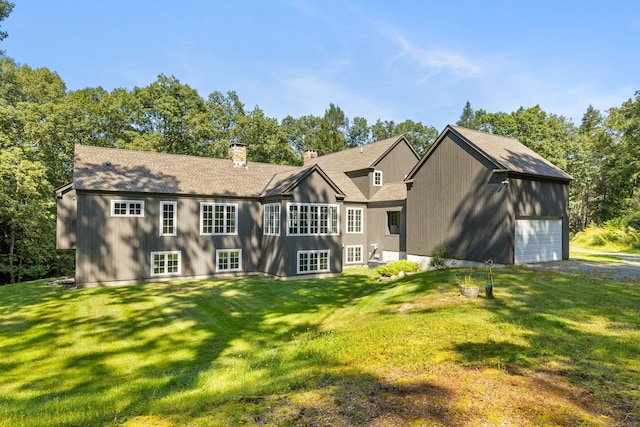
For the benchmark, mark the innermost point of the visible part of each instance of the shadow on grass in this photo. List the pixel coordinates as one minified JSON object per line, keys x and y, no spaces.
{"x":584,"y":329}
{"x":95,"y":356}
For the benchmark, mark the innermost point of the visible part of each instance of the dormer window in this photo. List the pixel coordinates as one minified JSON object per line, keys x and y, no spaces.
{"x":377,"y":178}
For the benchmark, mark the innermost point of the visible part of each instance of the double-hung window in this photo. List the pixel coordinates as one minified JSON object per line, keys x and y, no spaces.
{"x":313,"y":261}
{"x":354,"y":220}
{"x":312,"y":219}
{"x":271,"y":219}
{"x":218,"y":218}
{"x":165,"y":263}
{"x":168,"y":217}
{"x":353,"y":254}
{"x":377,"y":178}
{"x":127,"y":208}
{"x":229,"y":259}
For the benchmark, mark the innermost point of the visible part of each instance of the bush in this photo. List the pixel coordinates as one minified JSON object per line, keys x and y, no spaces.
{"x":395,"y":267}
{"x":439,"y":258}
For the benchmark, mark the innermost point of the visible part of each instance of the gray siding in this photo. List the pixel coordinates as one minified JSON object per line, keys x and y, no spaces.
{"x":542,"y":199}
{"x":456,"y":202}
{"x":397,"y":163}
{"x":66,"y":214}
{"x":279,"y":253}
{"x":119,"y":248}
{"x":378,"y":232}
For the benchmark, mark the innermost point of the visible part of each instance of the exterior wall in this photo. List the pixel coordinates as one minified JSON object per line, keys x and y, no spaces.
{"x":396,"y":164}
{"x":283,"y":262}
{"x":542,"y":199}
{"x":458,"y":203}
{"x":113,"y":249}
{"x":66,"y":208}
{"x":378,"y":233}
{"x":362,"y":179}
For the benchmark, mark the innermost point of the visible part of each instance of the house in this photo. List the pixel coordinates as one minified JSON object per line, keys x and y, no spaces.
{"x":137,"y":216}
{"x":483,"y":197}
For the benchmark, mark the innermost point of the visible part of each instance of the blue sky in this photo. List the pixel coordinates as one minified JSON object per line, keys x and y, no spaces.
{"x":418,"y":60}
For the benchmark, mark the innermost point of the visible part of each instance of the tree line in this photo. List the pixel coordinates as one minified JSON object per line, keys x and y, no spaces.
{"x":41,"y":121}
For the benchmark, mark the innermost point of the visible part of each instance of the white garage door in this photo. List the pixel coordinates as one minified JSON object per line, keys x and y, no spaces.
{"x":538,"y":240}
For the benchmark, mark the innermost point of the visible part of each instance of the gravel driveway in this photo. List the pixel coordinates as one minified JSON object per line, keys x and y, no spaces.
{"x":629,"y":268}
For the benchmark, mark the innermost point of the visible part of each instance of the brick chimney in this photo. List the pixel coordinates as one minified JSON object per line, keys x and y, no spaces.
{"x":308,"y":155}
{"x":238,"y":155}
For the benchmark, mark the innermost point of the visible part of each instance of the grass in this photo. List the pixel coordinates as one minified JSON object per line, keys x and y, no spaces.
{"x":593,"y":257}
{"x":550,"y":349}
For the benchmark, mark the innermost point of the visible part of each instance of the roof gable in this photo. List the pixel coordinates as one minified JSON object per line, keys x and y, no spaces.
{"x":506,"y":154}
{"x":364,"y":157}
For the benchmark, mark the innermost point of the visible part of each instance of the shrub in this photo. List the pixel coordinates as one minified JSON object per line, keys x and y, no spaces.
{"x":439,"y":258}
{"x":395,"y":267}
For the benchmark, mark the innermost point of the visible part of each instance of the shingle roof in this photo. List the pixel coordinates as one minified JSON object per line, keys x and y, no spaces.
{"x":511,"y":154}
{"x":356,"y":158}
{"x":390,"y":192}
{"x":110,"y":169}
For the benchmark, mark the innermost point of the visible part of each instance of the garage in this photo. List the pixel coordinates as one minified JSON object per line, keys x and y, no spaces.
{"x":538,"y":240}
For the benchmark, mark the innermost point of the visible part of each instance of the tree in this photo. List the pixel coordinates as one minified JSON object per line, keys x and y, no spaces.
{"x":332,"y":131}
{"x":265,"y":140}
{"x":420,"y":136}
{"x":5,"y":9}
{"x":358,"y":132}
{"x":171,"y":118}
{"x":468,"y":117}
{"x":303,"y":133}
{"x":26,"y":216}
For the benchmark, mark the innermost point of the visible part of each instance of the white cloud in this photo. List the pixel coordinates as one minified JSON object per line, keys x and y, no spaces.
{"x":434,"y":61}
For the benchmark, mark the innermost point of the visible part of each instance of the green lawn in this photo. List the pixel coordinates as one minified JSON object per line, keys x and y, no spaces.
{"x":550,"y":349}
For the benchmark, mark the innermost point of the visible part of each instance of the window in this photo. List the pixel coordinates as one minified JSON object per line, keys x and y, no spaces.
{"x":218,"y":218}
{"x":353,"y":254}
{"x":164,"y":263}
{"x":229,"y":259}
{"x":313,"y":261}
{"x":354,"y":220}
{"x":312,"y":219}
{"x":271,"y":222}
{"x":168,"y":218}
{"x":393,"y":222}
{"x":127,"y":208}
{"x":377,"y":178}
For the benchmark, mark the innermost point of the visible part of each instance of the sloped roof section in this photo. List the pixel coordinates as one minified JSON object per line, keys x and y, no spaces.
{"x":110,"y":169}
{"x":392,"y":192}
{"x":357,"y":158}
{"x":511,"y":154}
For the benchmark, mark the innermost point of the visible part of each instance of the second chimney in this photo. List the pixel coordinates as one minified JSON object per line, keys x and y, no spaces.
{"x":308,"y":155}
{"x":238,"y":155}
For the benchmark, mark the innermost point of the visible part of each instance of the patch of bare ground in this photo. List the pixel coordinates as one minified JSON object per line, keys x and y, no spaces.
{"x":449,"y":395}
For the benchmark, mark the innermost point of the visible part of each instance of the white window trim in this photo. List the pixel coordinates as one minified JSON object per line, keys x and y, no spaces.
{"x":318,"y":206}
{"x":266,"y":208}
{"x":175,"y":218}
{"x":219,"y":251}
{"x":213,"y":233}
{"x":346,"y":254}
{"x":127,"y":202}
{"x":375,"y":174}
{"x":165,"y":253}
{"x":309,"y":252}
{"x":361,"y":225}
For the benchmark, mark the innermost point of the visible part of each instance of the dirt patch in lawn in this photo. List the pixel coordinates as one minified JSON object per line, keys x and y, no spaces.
{"x":448,"y":395}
